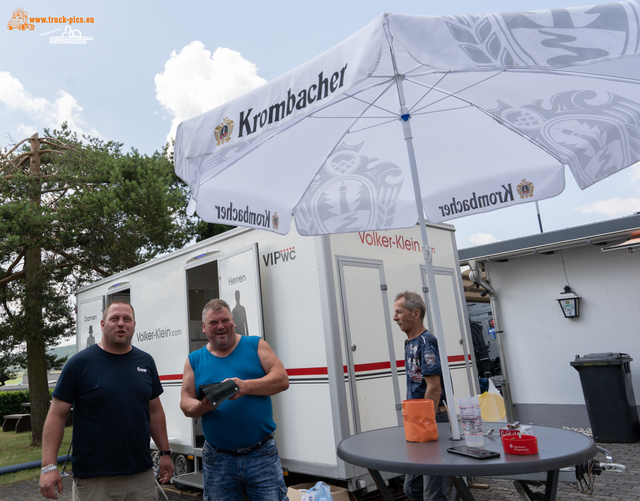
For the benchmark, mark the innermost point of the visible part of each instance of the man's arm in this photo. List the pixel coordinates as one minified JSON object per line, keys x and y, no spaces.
{"x":158,"y":425}
{"x":274,"y":381}
{"x":434,"y":389}
{"x":52,"y":434}
{"x":189,"y":403}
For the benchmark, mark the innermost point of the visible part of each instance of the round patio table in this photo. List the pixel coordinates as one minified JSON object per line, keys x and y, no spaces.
{"x":387,"y":450}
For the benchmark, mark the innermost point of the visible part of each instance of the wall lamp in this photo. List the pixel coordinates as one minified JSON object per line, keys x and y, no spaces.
{"x":569,"y":303}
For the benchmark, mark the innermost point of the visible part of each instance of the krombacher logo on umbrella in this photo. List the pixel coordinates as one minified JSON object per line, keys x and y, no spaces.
{"x":480,"y":201}
{"x":246,"y":215}
{"x":250,"y":122}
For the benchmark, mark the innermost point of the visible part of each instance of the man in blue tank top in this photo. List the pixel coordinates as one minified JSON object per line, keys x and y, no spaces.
{"x":240,"y":453}
{"x":424,"y":380}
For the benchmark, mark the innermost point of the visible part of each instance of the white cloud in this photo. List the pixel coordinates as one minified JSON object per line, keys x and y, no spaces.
{"x":611,"y":208}
{"x":13,"y":95}
{"x":25,"y":131}
{"x":482,"y":239}
{"x":42,"y":112}
{"x":195,"y":81}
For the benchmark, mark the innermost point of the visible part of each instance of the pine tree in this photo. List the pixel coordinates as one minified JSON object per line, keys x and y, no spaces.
{"x":73,"y":211}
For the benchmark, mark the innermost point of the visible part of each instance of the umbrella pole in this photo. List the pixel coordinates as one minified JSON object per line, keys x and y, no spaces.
{"x":431,"y":280}
{"x":539,"y":218}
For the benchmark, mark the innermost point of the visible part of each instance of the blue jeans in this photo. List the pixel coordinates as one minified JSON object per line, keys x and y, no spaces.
{"x":226,"y":475}
{"x":426,"y":488}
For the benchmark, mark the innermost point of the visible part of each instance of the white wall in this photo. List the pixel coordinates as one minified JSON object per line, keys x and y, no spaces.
{"x":540,"y":343}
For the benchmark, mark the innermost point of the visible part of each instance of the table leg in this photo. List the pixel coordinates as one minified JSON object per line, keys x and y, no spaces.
{"x":551,"y":488}
{"x":462,"y":490}
{"x":382,"y":486}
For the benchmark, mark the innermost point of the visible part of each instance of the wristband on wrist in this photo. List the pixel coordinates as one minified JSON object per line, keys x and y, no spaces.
{"x":49,"y":467}
{"x":164,"y":453}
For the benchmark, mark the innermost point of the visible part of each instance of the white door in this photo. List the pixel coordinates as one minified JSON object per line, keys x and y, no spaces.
{"x":455,"y":325}
{"x":88,"y":324}
{"x":372,"y":376}
{"x":240,"y":287}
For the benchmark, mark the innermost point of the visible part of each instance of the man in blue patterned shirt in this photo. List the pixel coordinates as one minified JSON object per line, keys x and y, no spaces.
{"x":424,"y":380}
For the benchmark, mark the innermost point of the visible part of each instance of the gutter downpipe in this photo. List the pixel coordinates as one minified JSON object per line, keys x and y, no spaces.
{"x":27,"y":466}
{"x":476,"y":277}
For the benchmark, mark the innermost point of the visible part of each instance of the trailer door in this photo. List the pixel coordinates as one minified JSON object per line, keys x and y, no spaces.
{"x":88,"y":324}
{"x":240,"y":287}
{"x":372,"y":372}
{"x":455,"y":326}
{"x":234,"y":277}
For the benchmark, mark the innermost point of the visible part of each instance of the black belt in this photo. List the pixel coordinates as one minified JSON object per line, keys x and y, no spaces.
{"x":246,"y":450}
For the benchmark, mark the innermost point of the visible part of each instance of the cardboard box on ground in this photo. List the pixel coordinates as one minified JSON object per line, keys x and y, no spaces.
{"x":337,"y":493}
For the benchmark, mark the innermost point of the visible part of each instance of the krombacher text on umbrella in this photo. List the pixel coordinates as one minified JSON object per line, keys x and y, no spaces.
{"x":478,"y":201}
{"x":231,"y":213}
{"x":249,"y":123}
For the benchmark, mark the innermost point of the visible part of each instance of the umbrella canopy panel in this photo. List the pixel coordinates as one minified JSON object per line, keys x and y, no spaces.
{"x":498,"y":105}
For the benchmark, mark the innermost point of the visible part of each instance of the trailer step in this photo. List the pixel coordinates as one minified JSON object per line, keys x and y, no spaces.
{"x":190,"y":480}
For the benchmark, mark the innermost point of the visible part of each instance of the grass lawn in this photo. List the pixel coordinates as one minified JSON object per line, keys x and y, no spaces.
{"x":15,"y":448}
{"x":15,"y":380}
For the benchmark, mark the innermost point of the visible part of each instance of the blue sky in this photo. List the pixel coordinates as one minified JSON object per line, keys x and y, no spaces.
{"x":146,"y":66}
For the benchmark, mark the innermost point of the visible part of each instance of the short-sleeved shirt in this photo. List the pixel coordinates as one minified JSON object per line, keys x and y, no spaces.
{"x":422,"y":358}
{"x":110,"y":395}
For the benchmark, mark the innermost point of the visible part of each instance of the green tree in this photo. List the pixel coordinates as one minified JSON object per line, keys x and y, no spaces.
{"x":73,"y":211}
{"x":206,"y":230}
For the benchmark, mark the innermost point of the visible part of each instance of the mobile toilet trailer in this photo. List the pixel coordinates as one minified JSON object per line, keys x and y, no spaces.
{"x":325,"y":306}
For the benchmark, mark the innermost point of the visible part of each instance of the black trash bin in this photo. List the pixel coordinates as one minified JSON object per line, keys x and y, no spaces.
{"x":608,"y":393}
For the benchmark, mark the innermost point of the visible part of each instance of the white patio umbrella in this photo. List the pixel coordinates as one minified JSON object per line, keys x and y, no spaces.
{"x":424,"y":116}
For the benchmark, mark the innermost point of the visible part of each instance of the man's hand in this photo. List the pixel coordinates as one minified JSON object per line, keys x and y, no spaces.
{"x":243,"y":388}
{"x":274,"y":381}
{"x":48,"y":483}
{"x":206,"y":406}
{"x":166,"y":469}
{"x":190,"y":404}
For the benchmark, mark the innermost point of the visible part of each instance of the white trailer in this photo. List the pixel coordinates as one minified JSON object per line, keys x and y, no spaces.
{"x":324,"y":304}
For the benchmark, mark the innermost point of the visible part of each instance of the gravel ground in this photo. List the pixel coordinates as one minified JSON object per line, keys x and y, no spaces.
{"x":613,"y":486}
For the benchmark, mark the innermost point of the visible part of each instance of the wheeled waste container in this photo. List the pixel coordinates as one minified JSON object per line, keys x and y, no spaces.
{"x":608,"y":393}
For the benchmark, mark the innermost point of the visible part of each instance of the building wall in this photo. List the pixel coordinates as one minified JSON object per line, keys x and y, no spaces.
{"x":540,"y":343}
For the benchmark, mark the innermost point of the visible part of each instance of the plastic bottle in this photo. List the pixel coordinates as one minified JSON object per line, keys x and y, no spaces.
{"x":471,"y":421}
